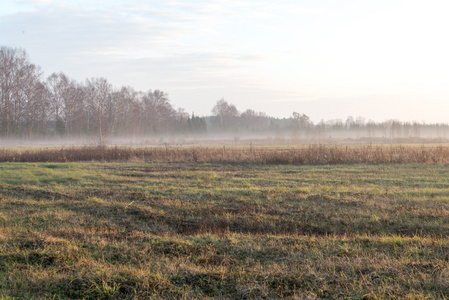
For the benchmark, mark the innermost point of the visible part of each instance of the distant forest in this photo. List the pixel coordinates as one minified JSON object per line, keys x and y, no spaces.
{"x":35,"y":106}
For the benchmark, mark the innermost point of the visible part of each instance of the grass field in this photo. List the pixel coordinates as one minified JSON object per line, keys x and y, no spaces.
{"x":219,"y":230}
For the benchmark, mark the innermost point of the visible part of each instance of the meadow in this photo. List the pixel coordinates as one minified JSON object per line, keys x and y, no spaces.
{"x":243,"y":226}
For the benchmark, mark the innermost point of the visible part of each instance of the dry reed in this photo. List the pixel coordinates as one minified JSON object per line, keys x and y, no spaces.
{"x":304,"y":155}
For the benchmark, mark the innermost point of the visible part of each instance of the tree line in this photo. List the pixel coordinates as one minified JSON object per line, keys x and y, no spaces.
{"x":33,"y":105}
{"x":226,"y":118}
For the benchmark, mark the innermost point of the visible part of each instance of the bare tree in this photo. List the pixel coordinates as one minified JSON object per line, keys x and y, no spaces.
{"x":226,"y":114}
{"x":158,"y":114}
{"x":182,"y":118}
{"x":59,"y":92}
{"x":18,"y":80}
{"x":349,"y":122}
{"x":301,"y":122}
{"x":99,"y":100}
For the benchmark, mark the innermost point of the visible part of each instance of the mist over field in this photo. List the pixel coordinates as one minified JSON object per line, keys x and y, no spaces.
{"x":57,"y":110}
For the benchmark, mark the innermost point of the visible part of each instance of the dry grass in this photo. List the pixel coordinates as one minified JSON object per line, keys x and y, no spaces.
{"x":201,"y":230}
{"x":300,"y":155}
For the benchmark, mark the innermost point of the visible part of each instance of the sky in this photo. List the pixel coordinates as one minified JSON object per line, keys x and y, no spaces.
{"x":379,"y":59}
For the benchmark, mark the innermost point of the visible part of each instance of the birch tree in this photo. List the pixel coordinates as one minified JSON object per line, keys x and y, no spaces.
{"x":98,"y":93}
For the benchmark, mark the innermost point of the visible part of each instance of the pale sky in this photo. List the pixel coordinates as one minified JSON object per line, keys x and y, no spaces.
{"x":380,"y":59}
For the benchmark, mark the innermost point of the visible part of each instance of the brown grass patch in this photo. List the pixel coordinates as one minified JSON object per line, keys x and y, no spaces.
{"x":299,"y":155}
